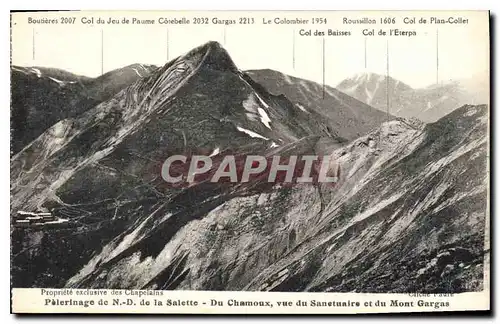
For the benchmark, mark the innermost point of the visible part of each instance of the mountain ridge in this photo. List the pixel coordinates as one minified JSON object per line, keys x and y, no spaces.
{"x":399,"y":182}
{"x":352,"y":118}
{"x":41,"y":97}
{"x":427,"y":103}
{"x":192,"y":103}
{"x":337,"y":241}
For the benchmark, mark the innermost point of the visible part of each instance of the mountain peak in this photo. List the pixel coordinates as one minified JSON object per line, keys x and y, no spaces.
{"x":212,"y":45}
{"x":372,"y":88}
{"x":371,"y":78}
{"x":367,"y":77}
{"x":212,"y":56}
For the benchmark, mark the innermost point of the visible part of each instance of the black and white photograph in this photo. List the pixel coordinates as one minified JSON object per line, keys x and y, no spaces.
{"x":260,"y":152}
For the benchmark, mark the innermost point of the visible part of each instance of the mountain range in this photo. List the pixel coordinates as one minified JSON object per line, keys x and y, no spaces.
{"x":427,"y":104}
{"x":40,"y":97}
{"x":352,"y":118}
{"x":408,"y":214}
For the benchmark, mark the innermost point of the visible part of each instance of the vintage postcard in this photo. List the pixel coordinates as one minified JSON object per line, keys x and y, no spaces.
{"x":256,"y":162}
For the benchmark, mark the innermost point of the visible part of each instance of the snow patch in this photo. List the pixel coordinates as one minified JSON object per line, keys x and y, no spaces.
{"x":255,"y":93}
{"x":264,"y":117}
{"x":26,"y":213}
{"x":20,"y":70}
{"x":58,"y":221}
{"x":215,"y":152}
{"x":369,"y":95}
{"x":37,"y":71}
{"x":374,"y":209}
{"x":302,"y":108}
{"x":137,"y":72}
{"x":250,"y":133}
{"x":249,"y":104}
{"x":262,"y":101}
{"x":61,"y":83}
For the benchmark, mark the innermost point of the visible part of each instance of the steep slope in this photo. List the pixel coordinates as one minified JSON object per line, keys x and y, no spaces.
{"x":43,"y":96}
{"x":101,"y":169}
{"x":407,"y":216}
{"x":110,"y":83}
{"x":428,"y":104}
{"x":351,"y":117}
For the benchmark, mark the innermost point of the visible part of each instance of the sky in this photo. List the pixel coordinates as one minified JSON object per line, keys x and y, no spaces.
{"x":462,"y":50}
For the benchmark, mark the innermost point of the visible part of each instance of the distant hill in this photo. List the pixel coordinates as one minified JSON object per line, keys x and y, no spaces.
{"x":428,"y":104}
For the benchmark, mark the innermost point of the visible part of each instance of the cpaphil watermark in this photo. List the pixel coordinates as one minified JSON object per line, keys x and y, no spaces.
{"x":182,"y":170}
